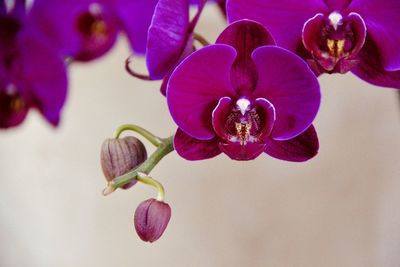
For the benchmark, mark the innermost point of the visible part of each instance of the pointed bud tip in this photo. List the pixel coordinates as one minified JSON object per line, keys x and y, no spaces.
{"x":151,"y":219}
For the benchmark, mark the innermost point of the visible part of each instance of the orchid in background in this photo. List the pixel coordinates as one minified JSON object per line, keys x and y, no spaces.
{"x":244,"y":96}
{"x":360,"y":36}
{"x":170,"y":38}
{"x":32,"y":74}
{"x":87,"y":29}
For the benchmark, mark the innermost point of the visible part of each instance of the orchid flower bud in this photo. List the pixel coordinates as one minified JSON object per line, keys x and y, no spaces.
{"x":151,"y":218}
{"x":119,"y":156}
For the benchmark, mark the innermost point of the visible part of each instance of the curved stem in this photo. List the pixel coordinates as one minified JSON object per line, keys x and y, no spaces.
{"x":134,"y":73}
{"x":155,"y":140}
{"x":200,"y":39}
{"x":144,"y":178}
{"x":146,"y":167}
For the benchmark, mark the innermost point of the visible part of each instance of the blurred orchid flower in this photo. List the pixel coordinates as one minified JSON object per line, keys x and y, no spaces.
{"x":32,"y":74}
{"x":170,"y":38}
{"x":360,"y":36}
{"x":87,"y":29}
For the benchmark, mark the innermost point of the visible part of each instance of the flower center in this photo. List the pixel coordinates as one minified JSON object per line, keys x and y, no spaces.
{"x":243,"y":123}
{"x":334,"y":41}
{"x":11,"y":101}
{"x":335,"y":47}
{"x":92,"y":24}
{"x":337,"y":37}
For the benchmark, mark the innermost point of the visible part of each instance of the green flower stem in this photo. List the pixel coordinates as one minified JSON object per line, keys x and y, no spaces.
{"x":144,"y":178}
{"x":155,"y":140}
{"x":165,"y":147}
{"x":200,"y":39}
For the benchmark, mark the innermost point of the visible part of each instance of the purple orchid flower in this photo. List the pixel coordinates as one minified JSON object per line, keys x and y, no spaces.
{"x":244,"y":96}
{"x":170,"y":38}
{"x":32,"y":74}
{"x":334,"y":36}
{"x":87,"y":29}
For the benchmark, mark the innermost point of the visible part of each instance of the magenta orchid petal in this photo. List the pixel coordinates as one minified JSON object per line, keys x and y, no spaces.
{"x":219,"y":115}
{"x":3,"y":7}
{"x":236,"y":151}
{"x":193,"y":149}
{"x":298,"y":149}
{"x":283,"y":18}
{"x":382,"y":20}
{"x":47,"y":83}
{"x":167,"y":36}
{"x":19,"y":8}
{"x":195,"y":88}
{"x":245,"y":36}
{"x":135,"y":17}
{"x":370,"y":68}
{"x":46,"y":14}
{"x":289,"y":84}
{"x":187,"y":51}
{"x":337,"y":4}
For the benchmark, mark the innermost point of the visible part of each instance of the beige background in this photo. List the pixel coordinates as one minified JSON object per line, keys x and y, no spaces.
{"x":340,"y":209}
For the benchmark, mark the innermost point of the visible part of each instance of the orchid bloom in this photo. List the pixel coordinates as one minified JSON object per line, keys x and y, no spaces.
{"x":244,"y":96}
{"x":334,"y":36}
{"x":170,"y":38}
{"x":32,"y":74}
{"x":87,"y":29}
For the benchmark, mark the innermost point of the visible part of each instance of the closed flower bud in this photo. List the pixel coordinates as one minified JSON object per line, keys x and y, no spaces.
{"x":151,"y":218}
{"x":119,"y":156}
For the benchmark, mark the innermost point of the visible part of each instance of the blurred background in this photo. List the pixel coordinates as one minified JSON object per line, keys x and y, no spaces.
{"x":339,"y":209}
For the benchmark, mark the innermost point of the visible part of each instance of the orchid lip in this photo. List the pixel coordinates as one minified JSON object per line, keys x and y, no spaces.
{"x":334,"y":41}
{"x":244,"y":121}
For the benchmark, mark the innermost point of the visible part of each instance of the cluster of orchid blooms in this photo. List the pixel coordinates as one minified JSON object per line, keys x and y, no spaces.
{"x":255,"y":90}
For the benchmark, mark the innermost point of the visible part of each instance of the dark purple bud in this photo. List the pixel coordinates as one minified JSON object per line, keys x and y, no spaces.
{"x":119,"y":156}
{"x":151,"y":218}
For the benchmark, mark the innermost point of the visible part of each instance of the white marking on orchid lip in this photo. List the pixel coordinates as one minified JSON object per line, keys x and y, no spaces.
{"x":243,"y":104}
{"x":11,"y":89}
{"x":325,"y":55}
{"x":252,"y":139}
{"x":335,"y":19}
{"x":233,"y":138}
{"x":95,"y":9}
